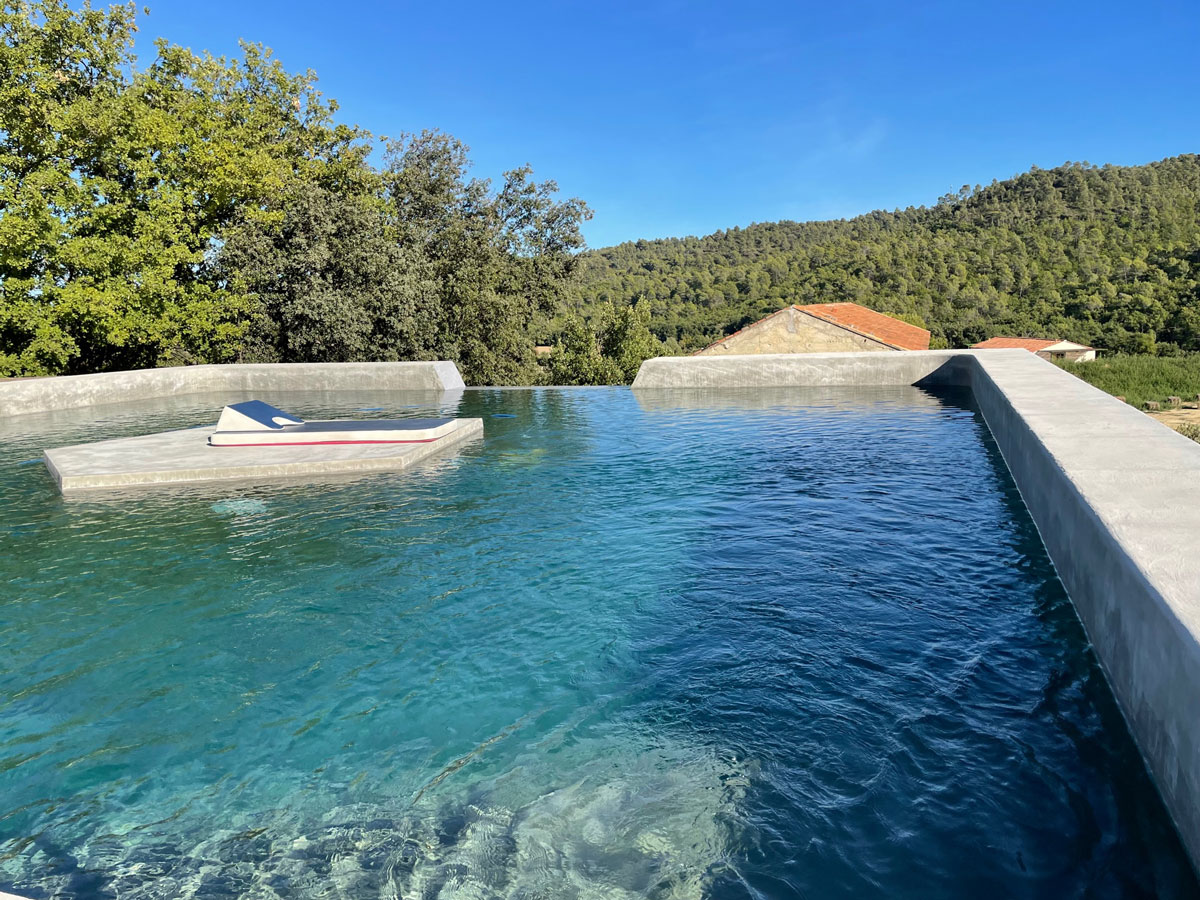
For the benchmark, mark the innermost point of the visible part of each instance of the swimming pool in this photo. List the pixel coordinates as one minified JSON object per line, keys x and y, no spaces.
{"x":754,"y":644}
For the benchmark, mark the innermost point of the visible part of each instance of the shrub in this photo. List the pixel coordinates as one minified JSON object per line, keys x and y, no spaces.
{"x":1140,"y":379}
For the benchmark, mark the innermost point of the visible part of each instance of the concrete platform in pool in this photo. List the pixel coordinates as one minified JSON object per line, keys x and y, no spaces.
{"x":184,"y":457}
{"x":1114,"y":494}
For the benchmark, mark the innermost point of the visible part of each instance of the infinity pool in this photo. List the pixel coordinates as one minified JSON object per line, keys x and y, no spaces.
{"x":793,"y":644}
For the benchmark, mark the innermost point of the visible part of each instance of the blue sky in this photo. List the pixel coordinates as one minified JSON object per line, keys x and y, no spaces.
{"x":673,"y":118}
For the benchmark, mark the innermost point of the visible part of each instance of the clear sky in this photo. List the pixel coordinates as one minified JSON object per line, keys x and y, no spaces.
{"x":673,"y":118}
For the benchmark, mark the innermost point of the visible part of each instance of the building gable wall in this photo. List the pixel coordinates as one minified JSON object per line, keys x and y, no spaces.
{"x":792,"y":331}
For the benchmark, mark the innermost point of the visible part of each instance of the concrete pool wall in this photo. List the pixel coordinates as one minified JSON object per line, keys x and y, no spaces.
{"x":1114,"y":494}
{"x":34,"y":395}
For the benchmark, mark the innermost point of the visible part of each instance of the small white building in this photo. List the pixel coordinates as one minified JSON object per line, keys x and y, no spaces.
{"x":1047,"y":349}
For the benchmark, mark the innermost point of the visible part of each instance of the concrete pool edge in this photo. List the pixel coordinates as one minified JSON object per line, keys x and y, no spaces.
{"x":1114,"y":494}
{"x":34,"y":395}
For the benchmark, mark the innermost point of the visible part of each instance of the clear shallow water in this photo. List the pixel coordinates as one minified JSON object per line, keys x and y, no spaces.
{"x":784,"y":645}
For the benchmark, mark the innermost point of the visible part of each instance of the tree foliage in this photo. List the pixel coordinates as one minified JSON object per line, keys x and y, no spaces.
{"x":500,"y":259}
{"x":1107,"y":256}
{"x":1142,"y":378}
{"x":608,"y":351}
{"x":328,"y":283}
{"x":205,"y":209}
{"x":115,"y":183}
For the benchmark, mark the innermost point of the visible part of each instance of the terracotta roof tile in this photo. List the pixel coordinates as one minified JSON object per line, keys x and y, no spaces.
{"x":1010,"y":343}
{"x":867,"y":322}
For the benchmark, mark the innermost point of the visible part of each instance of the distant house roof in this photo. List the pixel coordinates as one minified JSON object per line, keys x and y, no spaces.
{"x":1006,"y":343}
{"x":867,"y":322}
{"x":1033,"y":345}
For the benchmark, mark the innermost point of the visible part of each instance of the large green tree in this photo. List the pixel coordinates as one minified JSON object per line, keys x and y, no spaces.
{"x":502,"y":259}
{"x":116,"y":182}
{"x":328,"y":283}
{"x":205,"y":209}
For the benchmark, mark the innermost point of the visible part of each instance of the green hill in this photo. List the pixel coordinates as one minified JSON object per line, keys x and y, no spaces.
{"x":1108,"y":256}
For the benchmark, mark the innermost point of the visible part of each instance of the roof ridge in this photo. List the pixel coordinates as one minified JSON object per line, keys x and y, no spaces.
{"x":904,"y":336}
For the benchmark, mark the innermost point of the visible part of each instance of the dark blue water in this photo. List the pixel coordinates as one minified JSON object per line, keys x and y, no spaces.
{"x":800,"y":644}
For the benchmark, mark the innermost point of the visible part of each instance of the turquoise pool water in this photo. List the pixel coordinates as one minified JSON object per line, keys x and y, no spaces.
{"x":795,"y":644}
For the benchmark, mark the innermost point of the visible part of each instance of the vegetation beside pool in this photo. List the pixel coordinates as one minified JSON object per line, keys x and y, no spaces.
{"x":1146,"y":379}
{"x":1140,"y":379}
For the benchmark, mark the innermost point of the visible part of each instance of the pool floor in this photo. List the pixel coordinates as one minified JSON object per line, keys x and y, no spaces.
{"x":782,"y":644}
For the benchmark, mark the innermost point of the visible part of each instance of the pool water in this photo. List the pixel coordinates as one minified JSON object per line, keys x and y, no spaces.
{"x":742,"y":645}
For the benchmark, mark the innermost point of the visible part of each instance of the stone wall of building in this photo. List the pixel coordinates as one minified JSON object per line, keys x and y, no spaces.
{"x":791,"y":331}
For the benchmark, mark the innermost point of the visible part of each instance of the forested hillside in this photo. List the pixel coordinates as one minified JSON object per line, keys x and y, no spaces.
{"x":1108,"y":256}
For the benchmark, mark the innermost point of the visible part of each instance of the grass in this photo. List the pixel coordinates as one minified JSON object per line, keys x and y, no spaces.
{"x":1142,"y":378}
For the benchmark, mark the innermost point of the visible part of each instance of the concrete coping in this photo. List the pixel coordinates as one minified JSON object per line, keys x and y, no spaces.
{"x":35,"y":395}
{"x":1115,"y":496}
{"x":771,"y":370}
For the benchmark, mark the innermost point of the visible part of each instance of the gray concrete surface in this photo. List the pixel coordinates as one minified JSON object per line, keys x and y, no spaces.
{"x":783,"y":369}
{"x":861,"y":397}
{"x":1114,"y":494}
{"x":184,"y":457}
{"x":34,"y":395}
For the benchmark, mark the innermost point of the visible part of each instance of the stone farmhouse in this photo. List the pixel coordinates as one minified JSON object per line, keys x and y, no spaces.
{"x":822,"y":328}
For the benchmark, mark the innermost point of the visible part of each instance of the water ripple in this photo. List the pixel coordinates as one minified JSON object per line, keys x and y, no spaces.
{"x":751,"y":644}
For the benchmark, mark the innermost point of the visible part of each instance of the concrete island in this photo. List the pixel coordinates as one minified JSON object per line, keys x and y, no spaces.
{"x":185,"y":457}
